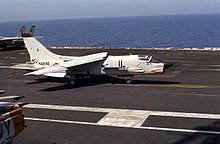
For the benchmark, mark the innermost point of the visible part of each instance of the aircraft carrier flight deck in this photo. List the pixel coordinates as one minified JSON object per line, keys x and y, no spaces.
{"x":181,"y":106}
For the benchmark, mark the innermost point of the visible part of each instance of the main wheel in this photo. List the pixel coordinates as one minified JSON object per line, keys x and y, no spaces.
{"x":128,"y":81}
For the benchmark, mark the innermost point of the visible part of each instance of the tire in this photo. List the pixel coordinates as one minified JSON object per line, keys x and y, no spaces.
{"x":72,"y":82}
{"x":128,"y":81}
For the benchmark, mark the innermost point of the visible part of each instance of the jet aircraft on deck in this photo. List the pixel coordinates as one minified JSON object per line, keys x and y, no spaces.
{"x":8,"y":43}
{"x":44,"y":62}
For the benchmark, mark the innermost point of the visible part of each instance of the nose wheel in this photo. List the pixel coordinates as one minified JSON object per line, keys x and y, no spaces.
{"x":72,"y":82}
{"x":72,"y":79}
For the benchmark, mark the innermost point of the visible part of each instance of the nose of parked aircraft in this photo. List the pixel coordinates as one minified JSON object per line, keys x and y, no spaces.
{"x":167,"y":65}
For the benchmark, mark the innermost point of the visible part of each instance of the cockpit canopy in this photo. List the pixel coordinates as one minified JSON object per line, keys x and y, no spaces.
{"x":148,"y":58}
{"x":145,"y":57}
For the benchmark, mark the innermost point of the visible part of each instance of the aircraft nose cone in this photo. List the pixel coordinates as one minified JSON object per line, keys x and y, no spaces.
{"x":167,"y":65}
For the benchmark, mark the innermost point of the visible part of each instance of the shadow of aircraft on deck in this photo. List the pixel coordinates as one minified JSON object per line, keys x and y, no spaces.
{"x":64,"y":83}
{"x":202,"y":138}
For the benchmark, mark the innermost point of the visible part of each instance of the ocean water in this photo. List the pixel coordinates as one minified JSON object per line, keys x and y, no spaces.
{"x":180,"y":31}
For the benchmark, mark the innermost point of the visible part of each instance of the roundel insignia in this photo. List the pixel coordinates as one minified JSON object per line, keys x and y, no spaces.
{"x":55,"y":64}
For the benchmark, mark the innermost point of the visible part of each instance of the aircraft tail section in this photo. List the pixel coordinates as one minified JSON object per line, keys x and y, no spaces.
{"x":37,"y":51}
{"x":21,"y":31}
{"x":31,"y":32}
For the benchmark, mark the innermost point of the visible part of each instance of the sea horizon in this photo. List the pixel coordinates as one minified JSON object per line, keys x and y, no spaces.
{"x":161,"y":31}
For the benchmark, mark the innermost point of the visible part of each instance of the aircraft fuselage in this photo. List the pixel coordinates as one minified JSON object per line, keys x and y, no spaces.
{"x":112,"y":65}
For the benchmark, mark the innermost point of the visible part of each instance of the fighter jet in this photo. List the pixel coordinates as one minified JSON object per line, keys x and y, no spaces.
{"x":11,"y":118}
{"x":44,"y":62}
{"x":8,"y":43}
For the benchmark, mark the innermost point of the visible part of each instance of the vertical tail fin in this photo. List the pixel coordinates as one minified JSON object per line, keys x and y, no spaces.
{"x":37,"y":51}
{"x":31,"y":32}
{"x":21,"y":31}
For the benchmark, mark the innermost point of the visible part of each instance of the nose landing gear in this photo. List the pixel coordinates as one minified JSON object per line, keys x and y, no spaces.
{"x":72,"y":82}
{"x":72,"y":79}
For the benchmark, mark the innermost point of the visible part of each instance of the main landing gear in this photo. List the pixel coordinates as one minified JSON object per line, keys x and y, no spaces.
{"x":74,"y":78}
{"x":128,"y":81}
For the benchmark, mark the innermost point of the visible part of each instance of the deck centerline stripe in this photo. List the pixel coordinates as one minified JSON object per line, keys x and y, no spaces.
{"x":190,"y":86}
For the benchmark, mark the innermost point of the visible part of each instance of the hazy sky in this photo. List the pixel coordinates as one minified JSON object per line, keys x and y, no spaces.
{"x":13,"y":10}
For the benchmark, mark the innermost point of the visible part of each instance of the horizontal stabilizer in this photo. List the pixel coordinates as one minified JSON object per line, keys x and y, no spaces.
{"x":45,"y":71}
{"x":15,"y":98}
{"x":60,"y":74}
{"x":10,"y":38}
{"x":20,"y":66}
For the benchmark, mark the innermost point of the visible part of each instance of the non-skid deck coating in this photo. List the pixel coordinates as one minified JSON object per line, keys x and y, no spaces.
{"x":181,"y":106}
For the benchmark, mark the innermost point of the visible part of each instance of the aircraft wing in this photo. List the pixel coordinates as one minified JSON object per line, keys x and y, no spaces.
{"x":20,"y":66}
{"x":11,"y":42}
{"x":15,"y":98}
{"x":59,"y":71}
{"x":3,"y":39}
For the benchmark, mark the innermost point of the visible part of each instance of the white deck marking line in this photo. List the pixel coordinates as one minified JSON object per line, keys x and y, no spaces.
{"x":180,"y":130}
{"x":124,"y":111}
{"x":187,"y":86}
{"x":10,"y":57}
{"x":209,"y":65}
{"x":126,"y":118}
{"x":216,"y":70}
{"x":22,"y":53}
{"x":193,"y":94}
{"x":59,"y":121}
{"x":122,"y":126}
